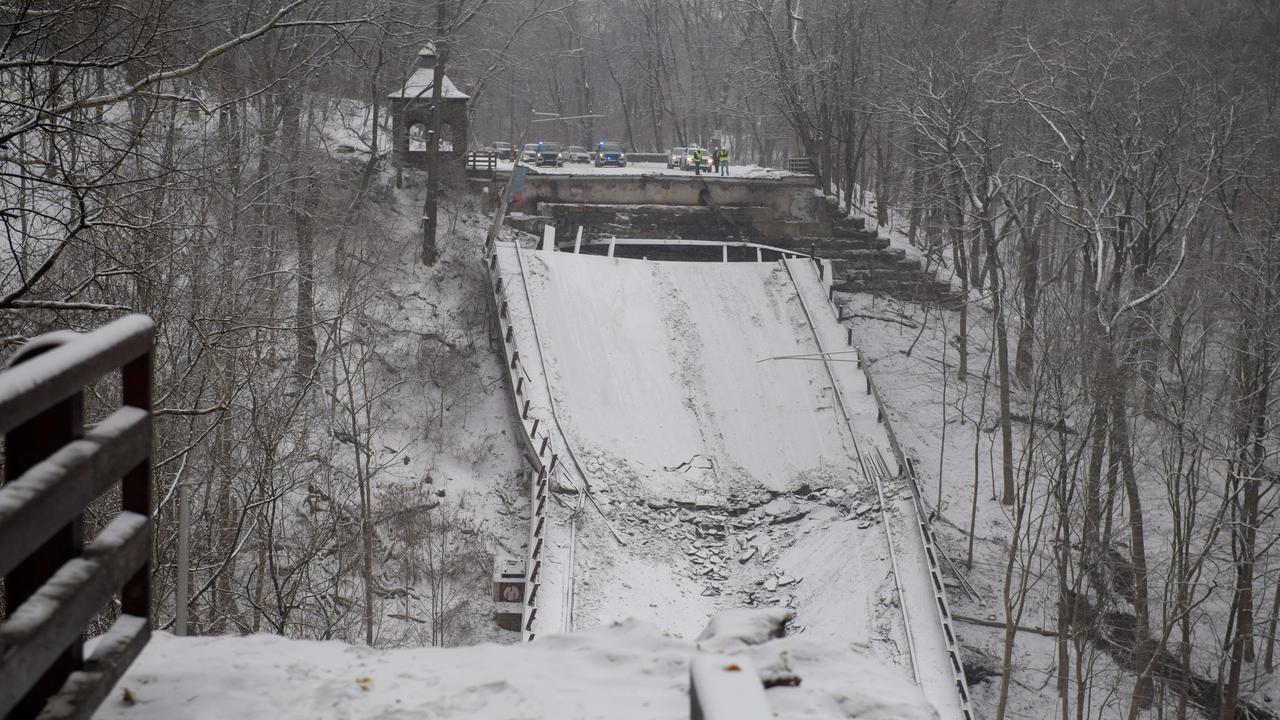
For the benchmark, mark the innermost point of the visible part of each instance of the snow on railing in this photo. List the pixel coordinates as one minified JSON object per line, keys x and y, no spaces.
{"x":906,"y":469}
{"x":54,"y":584}
{"x":536,"y":441}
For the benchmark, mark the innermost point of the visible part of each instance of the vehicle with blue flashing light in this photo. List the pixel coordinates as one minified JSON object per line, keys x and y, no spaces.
{"x":549,"y":154}
{"x":610,"y":153}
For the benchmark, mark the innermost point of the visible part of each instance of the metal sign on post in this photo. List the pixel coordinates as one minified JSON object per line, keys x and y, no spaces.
{"x":508,"y":592}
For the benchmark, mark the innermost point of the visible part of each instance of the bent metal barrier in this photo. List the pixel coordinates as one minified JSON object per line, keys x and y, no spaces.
{"x":534,"y":438}
{"x":54,"y":583}
{"x":906,"y":470}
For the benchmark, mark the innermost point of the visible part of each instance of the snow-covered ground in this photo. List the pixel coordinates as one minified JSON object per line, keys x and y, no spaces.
{"x":649,"y":168}
{"x":693,"y":405}
{"x":625,"y":671}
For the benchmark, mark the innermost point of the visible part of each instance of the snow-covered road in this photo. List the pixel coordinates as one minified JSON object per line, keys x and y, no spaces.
{"x":688,"y":397}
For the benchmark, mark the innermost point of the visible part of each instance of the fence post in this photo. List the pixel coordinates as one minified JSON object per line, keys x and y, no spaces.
{"x":135,"y":488}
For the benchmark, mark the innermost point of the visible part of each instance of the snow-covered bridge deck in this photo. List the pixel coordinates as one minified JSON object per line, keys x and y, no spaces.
{"x":723,"y":467}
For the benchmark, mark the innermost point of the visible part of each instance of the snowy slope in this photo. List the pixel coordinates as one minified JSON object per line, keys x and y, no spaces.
{"x":710,"y":436}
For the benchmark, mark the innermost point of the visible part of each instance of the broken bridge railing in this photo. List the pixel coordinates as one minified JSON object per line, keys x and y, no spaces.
{"x":54,"y":583}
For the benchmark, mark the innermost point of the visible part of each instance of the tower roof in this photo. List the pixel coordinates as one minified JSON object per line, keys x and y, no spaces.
{"x":419,"y":87}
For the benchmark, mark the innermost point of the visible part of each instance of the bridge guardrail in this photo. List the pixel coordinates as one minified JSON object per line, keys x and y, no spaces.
{"x":535,"y":439}
{"x":906,"y":469}
{"x":54,"y":583}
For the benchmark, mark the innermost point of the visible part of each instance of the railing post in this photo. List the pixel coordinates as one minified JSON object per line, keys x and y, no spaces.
{"x":135,"y":489}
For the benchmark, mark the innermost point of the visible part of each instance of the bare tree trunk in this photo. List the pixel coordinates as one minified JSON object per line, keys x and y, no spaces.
{"x":1143,"y":645}
{"x":431,"y":204}
{"x":956,"y":216}
{"x":1010,"y":491}
{"x":1029,"y":256}
{"x":302,"y":199}
{"x":1253,"y":386}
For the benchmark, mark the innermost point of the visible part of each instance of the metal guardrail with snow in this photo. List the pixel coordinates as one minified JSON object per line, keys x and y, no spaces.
{"x":932,"y":552}
{"x":55,"y":584}
{"x":536,"y":442}
{"x":906,"y":469}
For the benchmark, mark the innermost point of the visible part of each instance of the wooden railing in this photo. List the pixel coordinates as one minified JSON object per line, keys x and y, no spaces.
{"x":55,"y":584}
{"x":481,"y":163}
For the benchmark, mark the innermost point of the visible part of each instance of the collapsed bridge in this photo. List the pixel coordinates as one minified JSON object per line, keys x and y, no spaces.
{"x":703,"y":437}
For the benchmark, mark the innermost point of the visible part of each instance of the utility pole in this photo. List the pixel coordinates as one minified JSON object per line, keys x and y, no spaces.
{"x":181,"y":592}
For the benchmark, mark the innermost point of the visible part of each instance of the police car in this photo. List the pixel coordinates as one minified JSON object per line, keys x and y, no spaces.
{"x":549,"y":154}
{"x":610,"y":153}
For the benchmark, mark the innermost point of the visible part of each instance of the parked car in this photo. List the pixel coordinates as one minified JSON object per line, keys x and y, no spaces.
{"x":529,"y":153}
{"x":675,"y":158}
{"x":688,"y":158}
{"x":549,"y":154}
{"x":577,"y":154}
{"x":610,"y":153}
{"x":503,"y":150}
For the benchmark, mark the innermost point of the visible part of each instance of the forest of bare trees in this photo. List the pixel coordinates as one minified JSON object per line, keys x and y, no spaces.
{"x":1101,"y":177}
{"x":223,"y":168}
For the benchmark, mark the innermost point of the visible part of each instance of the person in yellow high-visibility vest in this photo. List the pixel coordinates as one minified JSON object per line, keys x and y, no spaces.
{"x":722,"y":161}
{"x":697,"y":161}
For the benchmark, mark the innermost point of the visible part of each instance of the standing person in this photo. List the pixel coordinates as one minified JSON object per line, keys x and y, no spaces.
{"x":697,"y":161}
{"x":722,"y":161}
{"x":715,"y":159}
